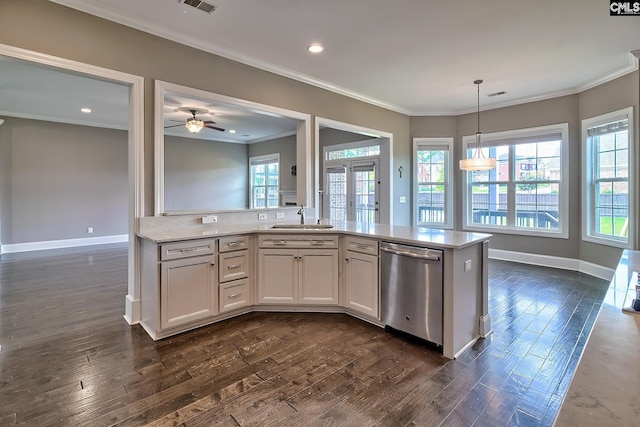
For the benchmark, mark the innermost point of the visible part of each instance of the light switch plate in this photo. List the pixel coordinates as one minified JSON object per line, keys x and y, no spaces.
{"x":262,"y":216}
{"x":467,"y":265}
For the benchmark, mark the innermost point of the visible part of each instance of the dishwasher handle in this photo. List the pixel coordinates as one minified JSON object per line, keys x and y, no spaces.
{"x":425,"y":256}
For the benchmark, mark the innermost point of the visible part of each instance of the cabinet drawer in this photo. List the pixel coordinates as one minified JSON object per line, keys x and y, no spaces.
{"x":233,"y":243}
{"x":307,"y":241}
{"x":233,"y":295}
{"x":233,"y":265}
{"x":365,"y":246}
{"x":186,"y":249}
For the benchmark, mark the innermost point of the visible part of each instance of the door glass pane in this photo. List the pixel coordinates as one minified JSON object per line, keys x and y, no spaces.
{"x":337,"y":194}
{"x":365,"y":196}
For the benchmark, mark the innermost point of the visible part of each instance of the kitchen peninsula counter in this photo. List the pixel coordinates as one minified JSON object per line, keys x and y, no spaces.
{"x":409,"y":235}
{"x":464,"y":273}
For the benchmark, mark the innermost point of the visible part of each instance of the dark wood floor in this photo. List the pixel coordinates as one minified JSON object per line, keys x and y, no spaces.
{"x":69,"y":358}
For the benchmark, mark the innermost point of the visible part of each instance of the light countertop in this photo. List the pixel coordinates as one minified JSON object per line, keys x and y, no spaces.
{"x":401,"y":234}
{"x":605,"y":389}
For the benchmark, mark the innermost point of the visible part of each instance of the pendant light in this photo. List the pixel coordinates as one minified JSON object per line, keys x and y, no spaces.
{"x":478,"y":162}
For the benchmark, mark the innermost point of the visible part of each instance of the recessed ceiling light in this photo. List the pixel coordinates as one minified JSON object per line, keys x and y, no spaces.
{"x":85,"y":110}
{"x":315,"y":48}
{"x":232,"y":131}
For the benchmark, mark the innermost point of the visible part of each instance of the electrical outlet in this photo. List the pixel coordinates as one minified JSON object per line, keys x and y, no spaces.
{"x":403,"y":199}
{"x":279,"y":215}
{"x":90,"y":230}
{"x":209,"y":219}
{"x":262,"y":216}
{"x":467,"y":265}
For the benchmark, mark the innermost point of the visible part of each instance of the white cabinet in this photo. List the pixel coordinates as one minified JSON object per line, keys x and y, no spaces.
{"x":292,"y":271}
{"x":234,"y":267}
{"x":362,"y":289}
{"x":179,"y":285}
{"x":188,"y":290}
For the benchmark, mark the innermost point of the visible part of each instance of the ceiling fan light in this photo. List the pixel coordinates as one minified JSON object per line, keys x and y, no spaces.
{"x":194,"y":125}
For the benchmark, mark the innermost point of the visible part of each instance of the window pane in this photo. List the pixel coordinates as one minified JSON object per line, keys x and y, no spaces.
{"x":489,"y":204}
{"x":371,"y":150}
{"x":431,"y":203}
{"x":536,"y":207}
{"x":500,"y":172}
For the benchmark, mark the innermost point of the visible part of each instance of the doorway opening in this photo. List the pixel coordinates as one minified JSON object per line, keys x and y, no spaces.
{"x":134,"y":142}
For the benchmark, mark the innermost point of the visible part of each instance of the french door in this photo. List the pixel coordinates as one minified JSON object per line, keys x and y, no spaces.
{"x":352,"y":190}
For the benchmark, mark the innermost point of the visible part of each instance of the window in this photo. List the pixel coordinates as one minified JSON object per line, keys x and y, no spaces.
{"x":433,"y":186}
{"x":607,"y":185}
{"x":264,"y":181}
{"x":527,"y":191}
{"x":348,"y":153}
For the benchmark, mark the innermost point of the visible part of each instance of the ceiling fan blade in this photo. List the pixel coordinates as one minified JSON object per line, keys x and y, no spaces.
{"x":209,"y":122}
{"x":214,"y":127}
{"x":173,"y":126}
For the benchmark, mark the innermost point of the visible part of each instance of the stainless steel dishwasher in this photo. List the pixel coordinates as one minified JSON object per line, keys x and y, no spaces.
{"x":411,"y":282}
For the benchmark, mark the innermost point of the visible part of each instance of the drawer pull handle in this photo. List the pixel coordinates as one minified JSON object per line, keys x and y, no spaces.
{"x":232,"y":244}
{"x":279,"y":242}
{"x":361,"y":246}
{"x":317,"y":242}
{"x":188,"y":249}
{"x":232,"y":296}
{"x":233,"y":266}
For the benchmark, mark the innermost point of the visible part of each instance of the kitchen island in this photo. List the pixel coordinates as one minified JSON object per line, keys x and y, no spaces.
{"x":201,"y":274}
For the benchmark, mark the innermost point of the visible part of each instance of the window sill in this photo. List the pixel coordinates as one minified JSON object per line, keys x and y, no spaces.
{"x":517,"y":232}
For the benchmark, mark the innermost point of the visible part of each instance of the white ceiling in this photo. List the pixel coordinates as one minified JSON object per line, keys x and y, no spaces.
{"x":418,"y":57}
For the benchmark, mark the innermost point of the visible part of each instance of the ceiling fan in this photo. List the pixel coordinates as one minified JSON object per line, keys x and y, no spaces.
{"x":194,"y":124}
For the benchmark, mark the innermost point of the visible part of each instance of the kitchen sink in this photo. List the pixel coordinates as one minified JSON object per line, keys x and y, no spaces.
{"x":303,"y":226}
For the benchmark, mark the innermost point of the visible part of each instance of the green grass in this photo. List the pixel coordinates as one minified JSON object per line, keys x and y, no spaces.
{"x":618,"y":223}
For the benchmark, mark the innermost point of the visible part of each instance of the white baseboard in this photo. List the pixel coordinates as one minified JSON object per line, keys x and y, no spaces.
{"x":554,"y":262}
{"x":59,"y":244}
{"x":132,"y":310}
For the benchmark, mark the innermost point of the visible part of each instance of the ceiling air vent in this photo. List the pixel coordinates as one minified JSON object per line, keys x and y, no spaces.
{"x":200,"y":5}
{"x":497,"y":93}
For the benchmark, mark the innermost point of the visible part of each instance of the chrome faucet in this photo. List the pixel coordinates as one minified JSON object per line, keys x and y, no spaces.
{"x":301,"y":213}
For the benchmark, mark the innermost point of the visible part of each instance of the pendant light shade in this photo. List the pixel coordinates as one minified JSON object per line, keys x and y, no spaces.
{"x":478,"y":162}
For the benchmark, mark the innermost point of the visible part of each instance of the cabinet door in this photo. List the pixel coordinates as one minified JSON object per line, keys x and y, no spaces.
{"x":188,"y":290}
{"x":318,"y":276}
{"x":278,"y":276}
{"x":362,"y":287}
